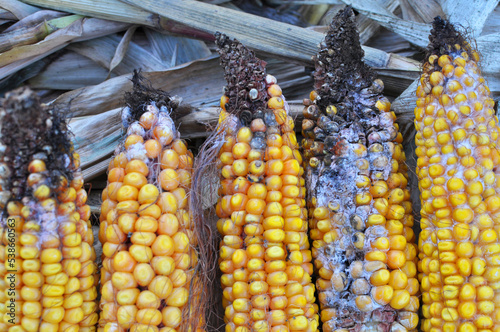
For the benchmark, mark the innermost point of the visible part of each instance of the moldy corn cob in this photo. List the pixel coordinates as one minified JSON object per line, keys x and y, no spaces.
{"x":459,"y":181}
{"x":264,"y":254}
{"x":47,"y":267}
{"x":146,"y":230}
{"x":361,"y":222}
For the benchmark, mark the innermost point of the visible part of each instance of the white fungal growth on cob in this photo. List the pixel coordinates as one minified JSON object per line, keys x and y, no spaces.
{"x":458,"y":158}
{"x":361,"y":222}
{"x":148,"y":280}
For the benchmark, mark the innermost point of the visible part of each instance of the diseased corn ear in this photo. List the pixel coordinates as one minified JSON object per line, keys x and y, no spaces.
{"x":457,"y":149}
{"x":265,"y":255}
{"x":47,"y":260}
{"x":359,"y":204}
{"x":148,"y":280}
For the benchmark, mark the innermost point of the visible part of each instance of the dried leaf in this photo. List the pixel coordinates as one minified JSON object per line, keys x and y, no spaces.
{"x":389,"y":41}
{"x":94,"y":171}
{"x":404,"y":105}
{"x":422,"y":11}
{"x":96,"y":137}
{"x":489,"y":47}
{"x":122,"y":47}
{"x":169,"y":48}
{"x":414,"y":32}
{"x":19,"y":9}
{"x":50,"y":44}
{"x":470,"y":13}
{"x":492,"y":24}
{"x":33,"y":34}
{"x":68,"y":72}
{"x":95,"y":28}
{"x":313,"y":14}
{"x":23,"y":36}
{"x":114,"y":10}
{"x":174,"y":56}
{"x":102,"y":50}
{"x":6,"y":16}
{"x":17,"y":78}
{"x":367,"y":27}
{"x":34,"y":19}
{"x":14,"y":67}
{"x":82,"y":29}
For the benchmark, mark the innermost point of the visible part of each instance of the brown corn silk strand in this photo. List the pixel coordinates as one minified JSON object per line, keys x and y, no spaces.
{"x":361,"y":224}
{"x":150,"y":279}
{"x":457,"y":149}
{"x":205,"y":185}
{"x":46,"y":240}
{"x":265,"y":256}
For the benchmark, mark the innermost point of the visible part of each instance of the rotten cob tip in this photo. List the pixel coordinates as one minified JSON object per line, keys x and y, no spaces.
{"x":346,"y":92}
{"x":46,"y":239}
{"x":361,"y":217}
{"x":245,"y":94}
{"x":152,"y":269}
{"x":457,"y":149}
{"x":265,"y":254}
{"x":340,"y":68}
{"x":142,"y":95}
{"x":446,"y":39}
{"x":29,"y":128}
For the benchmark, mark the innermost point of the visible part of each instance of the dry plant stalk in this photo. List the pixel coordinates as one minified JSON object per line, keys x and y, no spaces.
{"x":265,"y":255}
{"x":361,"y":216}
{"x":47,"y":270}
{"x":152,"y":277}
{"x":457,"y":167}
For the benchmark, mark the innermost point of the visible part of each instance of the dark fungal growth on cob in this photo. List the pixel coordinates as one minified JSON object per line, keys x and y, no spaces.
{"x":142,"y":94}
{"x":46,"y":239}
{"x":443,"y":38}
{"x":245,"y":92}
{"x":340,"y":69}
{"x":458,"y":176}
{"x":361,"y":222}
{"x":30,"y":132}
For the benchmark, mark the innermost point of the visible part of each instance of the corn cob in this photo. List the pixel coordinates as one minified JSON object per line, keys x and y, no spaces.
{"x":264,"y":255}
{"x":51,"y":245}
{"x":457,"y":137}
{"x":147,"y":234}
{"x":361,"y":222}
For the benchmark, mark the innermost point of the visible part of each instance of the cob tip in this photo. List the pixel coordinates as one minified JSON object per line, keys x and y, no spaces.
{"x":32,"y":129}
{"x":141,"y":96}
{"x":446,"y":39}
{"x":339,"y":62}
{"x":245,"y":92}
